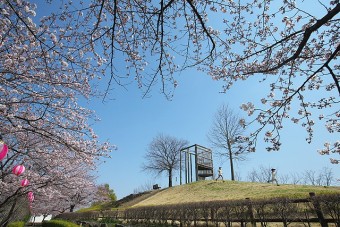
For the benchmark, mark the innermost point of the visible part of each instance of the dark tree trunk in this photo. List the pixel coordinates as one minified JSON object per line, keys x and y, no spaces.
{"x":231,"y":162}
{"x":72,"y":207}
{"x":170,"y":177}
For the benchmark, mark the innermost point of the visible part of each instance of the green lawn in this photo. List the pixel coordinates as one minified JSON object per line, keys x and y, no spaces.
{"x":231,"y":190}
{"x":211,"y":190}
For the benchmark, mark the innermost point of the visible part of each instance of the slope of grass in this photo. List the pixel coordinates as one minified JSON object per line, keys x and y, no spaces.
{"x":133,"y":199}
{"x":127,"y":201}
{"x":231,"y":190}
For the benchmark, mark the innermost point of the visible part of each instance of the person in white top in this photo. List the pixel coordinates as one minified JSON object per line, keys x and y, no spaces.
{"x":273,"y":177}
{"x":219,"y":173}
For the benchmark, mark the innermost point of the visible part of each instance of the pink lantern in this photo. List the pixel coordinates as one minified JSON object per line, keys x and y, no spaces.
{"x":3,"y":150}
{"x":24,"y":182}
{"x":30,"y":196}
{"x":19,"y":169}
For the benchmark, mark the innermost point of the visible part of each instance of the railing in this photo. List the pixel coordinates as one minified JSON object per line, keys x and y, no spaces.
{"x":205,"y":172}
{"x":205,"y":162}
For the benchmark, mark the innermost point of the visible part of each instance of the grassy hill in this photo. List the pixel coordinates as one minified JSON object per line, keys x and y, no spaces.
{"x":133,"y":199}
{"x":228,"y":190}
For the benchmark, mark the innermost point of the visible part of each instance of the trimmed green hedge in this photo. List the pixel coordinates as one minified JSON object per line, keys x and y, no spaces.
{"x":16,"y":224}
{"x":58,"y":223}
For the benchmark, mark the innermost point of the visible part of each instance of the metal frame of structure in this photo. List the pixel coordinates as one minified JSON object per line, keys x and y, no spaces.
{"x":203,"y":163}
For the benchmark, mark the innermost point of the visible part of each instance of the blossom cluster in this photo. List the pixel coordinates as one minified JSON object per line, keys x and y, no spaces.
{"x":297,"y":59}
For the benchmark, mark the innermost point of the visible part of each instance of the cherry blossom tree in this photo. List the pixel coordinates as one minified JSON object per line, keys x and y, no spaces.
{"x":106,"y":193}
{"x":42,"y":79}
{"x":69,"y":184}
{"x":54,"y":176}
{"x":105,"y":197}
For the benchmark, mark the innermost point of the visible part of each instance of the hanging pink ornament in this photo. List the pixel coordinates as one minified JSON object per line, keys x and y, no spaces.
{"x":24,"y":182}
{"x":19,"y":169}
{"x":30,"y":196}
{"x":3,"y":150}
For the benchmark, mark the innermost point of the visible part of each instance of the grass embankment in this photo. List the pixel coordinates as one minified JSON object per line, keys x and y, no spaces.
{"x":58,"y":223}
{"x":127,"y":201}
{"x":231,"y":190}
{"x":211,"y":190}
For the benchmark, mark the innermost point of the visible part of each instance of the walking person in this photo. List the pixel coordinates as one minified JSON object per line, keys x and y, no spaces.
{"x":219,"y":173}
{"x":273,"y":177}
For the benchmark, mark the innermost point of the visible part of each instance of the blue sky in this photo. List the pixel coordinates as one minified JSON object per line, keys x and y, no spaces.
{"x":131,"y":123}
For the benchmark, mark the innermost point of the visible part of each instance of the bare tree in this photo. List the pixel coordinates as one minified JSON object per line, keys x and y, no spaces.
{"x":322,"y":177}
{"x":252,"y":176}
{"x":163,"y":155}
{"x":261,"y":174}
{"x":238,"y":176}
{"x":328,"y":176}
{"x":295,"y":178}
{"x":226,"y":135}
{"x":284,"y":178}
{"x":310,"y":177}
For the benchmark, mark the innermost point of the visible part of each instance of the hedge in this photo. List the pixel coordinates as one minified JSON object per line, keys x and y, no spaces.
{"x":16,"y":224}
{"x":323,"y":209}
{"x":58,"y":223}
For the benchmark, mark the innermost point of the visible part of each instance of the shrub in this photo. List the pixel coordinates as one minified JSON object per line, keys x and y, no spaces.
{"x":110,"y":221}
{"x":16,"y":224}
{"x":58,"y":223}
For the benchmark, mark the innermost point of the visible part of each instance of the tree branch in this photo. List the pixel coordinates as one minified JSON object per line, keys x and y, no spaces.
{"x":335,"y":78}
{"x":203,"y":25}
{"x":308,"y":32}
